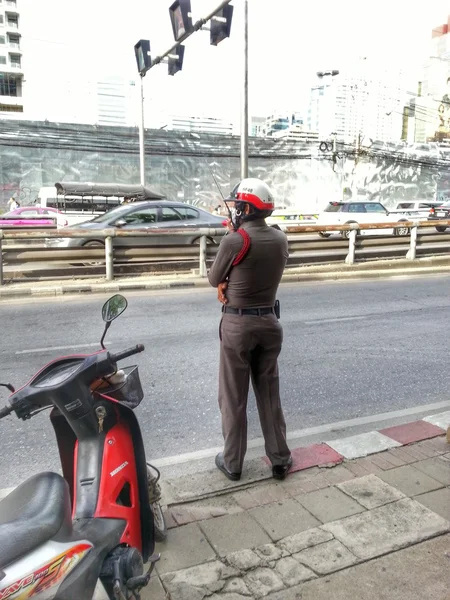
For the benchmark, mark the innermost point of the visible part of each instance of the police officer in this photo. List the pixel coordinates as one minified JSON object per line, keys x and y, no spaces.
{"x":247,"y":271}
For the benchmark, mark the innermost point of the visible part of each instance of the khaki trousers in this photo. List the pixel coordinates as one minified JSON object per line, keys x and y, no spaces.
{"x":249,"y":347}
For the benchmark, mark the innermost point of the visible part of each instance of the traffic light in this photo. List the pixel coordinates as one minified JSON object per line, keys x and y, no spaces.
{"x":180,"y":15}
{"x":175,"y":63}
{"x":143,"y":58}
{"x":221,"y":25}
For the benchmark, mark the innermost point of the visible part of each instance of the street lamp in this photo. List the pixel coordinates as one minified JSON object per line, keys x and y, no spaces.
{"x":144,"y":62}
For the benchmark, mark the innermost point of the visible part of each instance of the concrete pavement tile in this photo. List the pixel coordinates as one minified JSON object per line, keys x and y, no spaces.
{"x":438,"y":468}
{"x":411,"y":454}
{"x":439,"y":444}
{"x":440,"y":420}
{"x":371,"y":491}
{"x":214,"y":507}
{"x":267,"y":493}
{"x":292,"y":572}
{"x":363,"y":444}
{"x":235,"y":585}
{"x":184,"y":547}
{"x":329,"y":504}
{"x":281,"y":519}
{"x":426,"y":449}
{"x":391,"y":457}
{"x":244,"y":560}
{"x":234,"y":532}
{"x":409,"y":480}
{"x":326,"y":558}
{"x":417,"y":573}
{"x":387,"y":528}
{"x":405,"y":458}
{"x":356,"y":468}
{"x":270,"y":552}
{"x":299,"y":483}
{"x":369,"y":465}
{"x":319,"y":480}
{"x":437,"y":501}
{"x":380,"y":461}
{"x":298,"y":542}
{"x":337,"y":474}
{"x":262,"y":582}
{"x":204,"y":579}
{"x":154,"y":590}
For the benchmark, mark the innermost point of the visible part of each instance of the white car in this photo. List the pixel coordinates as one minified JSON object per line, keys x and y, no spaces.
{"x":343,"y":213}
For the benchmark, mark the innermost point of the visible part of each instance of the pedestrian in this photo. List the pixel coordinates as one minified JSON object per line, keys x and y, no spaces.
{"x":13,"y":204}
{"x":246,"y":272}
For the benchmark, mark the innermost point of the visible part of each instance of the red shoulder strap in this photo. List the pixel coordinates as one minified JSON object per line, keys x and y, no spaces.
{"x":245,"y":247}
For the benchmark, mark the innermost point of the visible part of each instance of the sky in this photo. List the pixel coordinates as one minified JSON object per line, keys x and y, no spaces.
{"x":66,"y":44}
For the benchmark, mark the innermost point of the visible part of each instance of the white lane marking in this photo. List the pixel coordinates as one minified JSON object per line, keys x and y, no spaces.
{"x":51,"y":348}
{"x":334,"y":320}
{"x":303,"y":433}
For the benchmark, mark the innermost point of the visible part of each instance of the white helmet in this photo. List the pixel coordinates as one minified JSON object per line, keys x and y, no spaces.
{"x":254,"y":192}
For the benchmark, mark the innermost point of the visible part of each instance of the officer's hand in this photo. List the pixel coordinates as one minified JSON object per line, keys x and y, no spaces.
{"x":229,"y":225}
{"x":221,"y":288}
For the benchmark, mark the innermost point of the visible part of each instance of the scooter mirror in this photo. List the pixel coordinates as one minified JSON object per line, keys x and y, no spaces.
{"x":114,"y":307}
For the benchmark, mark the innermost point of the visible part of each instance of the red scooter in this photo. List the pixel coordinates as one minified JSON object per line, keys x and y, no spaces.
{"x":60,"y":535}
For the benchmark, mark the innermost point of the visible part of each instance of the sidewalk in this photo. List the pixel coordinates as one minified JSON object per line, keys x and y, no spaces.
{"x":308,"y":273}
{"x":349,"y":522}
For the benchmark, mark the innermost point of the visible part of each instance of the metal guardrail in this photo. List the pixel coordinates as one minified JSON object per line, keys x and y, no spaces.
{"x":185,"y":257}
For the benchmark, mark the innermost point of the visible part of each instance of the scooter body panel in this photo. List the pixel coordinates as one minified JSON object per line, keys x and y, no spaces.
{"x":40,"y":573}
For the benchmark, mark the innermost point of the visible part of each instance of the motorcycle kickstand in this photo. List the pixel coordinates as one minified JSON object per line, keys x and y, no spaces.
{"x":135,"y":584}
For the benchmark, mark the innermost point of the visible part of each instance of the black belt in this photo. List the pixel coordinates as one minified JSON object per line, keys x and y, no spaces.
{"x":256,"y":312}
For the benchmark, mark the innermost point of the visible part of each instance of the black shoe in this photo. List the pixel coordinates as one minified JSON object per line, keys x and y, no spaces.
{"x":281,"y":471}
{"x":221,"y":466}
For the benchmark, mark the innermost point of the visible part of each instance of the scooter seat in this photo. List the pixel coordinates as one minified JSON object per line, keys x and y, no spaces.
{"x":33,"y":514}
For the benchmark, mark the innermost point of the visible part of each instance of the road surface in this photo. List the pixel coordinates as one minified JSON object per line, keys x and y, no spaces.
{"x":351,"y":350}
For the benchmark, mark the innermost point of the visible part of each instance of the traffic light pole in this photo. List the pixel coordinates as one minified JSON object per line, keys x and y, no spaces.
{"x":141,"y":136}
{"x":196,"y":27}
{"x":244,"y":116}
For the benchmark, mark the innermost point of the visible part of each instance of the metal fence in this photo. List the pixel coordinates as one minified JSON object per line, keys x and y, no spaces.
{"x":22,"y":258}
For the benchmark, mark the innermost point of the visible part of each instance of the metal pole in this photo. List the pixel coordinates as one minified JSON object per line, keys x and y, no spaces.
{"x":202,"y":266}
{"x":244,"y":117}
{"x":141,"y":136}
{"x":411,"y":254}
{"x":350,"y":258}
{"x":1,"y":260}
{"x":109,"y":259}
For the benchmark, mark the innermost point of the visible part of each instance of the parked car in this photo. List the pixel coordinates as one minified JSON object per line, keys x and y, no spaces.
{"x":33,"y":216}
{"x":151,"y":215}
{"x":343,"y":213}
{"x":289,"y":217}
{"x":438,"y":213}
{"x":415,"y":208}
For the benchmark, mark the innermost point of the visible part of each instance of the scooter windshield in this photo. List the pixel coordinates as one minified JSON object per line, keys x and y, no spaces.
{"x":57,"y":373}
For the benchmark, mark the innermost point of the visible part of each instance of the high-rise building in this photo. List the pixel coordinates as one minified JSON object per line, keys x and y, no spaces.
{"x":432,"y":109}
{"x":364,"y":100}
{"x":11,"y":73}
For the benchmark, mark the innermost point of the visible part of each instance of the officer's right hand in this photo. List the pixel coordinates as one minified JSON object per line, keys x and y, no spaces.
{"x":221,"y":288}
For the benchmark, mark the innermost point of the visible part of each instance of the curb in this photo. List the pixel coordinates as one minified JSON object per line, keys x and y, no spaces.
{"x":325,"y":454}
{"x":361,"y":445}
{"x":309,"y":274}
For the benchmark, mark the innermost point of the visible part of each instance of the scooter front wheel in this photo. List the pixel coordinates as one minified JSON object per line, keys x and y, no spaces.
{"x":154,"y":493}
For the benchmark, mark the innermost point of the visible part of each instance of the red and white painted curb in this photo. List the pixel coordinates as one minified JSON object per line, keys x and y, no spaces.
{"x":372,"y":442}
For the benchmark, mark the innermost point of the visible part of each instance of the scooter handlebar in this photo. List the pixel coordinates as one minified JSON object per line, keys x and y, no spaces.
{"x":126,"y":353}
{"x":4,"y":412}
